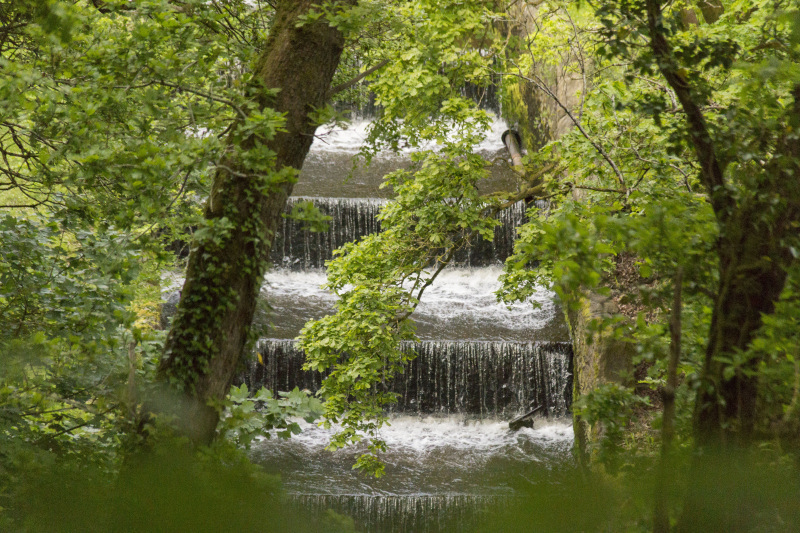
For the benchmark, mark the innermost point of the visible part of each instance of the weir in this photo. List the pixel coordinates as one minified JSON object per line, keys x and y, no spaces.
{"x":351,"y":218}
{"x":451,"y":456}
{"x":298,"y":248}
{"x":480,"y":378}
{"x":402,"y":514}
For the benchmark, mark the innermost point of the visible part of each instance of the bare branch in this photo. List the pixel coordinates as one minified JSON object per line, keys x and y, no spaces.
{"x":544,"y":88}
{"x":351,"y":83}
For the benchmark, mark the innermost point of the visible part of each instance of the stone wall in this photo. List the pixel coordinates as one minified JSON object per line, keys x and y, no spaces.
{"x":598,"y":358}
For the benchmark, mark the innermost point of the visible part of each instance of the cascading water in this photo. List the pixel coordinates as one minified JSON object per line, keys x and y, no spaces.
{"x":350,"y":219}
{"x":478,"y":363}
{"x":478,"y":378}
{"x":448,"y":512}
{"x":297,"y":247}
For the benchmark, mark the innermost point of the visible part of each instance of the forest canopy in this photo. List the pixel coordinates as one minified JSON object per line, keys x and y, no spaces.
{"x":664,"y":135}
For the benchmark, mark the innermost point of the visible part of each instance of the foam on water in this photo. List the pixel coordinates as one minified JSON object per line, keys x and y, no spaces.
{"x":350,"y":139}
{"x":347,"y":139}
{"x":471,"y":292}
{"x":432,"y":455}
{"x":457,"y":295}
{"x":426,"y":435}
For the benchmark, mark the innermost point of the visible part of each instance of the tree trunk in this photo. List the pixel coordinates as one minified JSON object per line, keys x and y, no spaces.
{"x":754,"y":261}
{"x":229,"y":258}
{"x":754,"y":258}
{"x":753,"y":269}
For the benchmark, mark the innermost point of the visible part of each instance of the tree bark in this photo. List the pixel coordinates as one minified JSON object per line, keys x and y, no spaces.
{"x":661,"y":507}
{"x":228,"y":262}
{"x":754,"y":258}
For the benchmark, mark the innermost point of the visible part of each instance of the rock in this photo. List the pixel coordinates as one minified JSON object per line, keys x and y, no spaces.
{"x":168,"y":308}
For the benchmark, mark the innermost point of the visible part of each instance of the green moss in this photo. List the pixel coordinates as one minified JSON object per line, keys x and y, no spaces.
{"x":523,"y":109}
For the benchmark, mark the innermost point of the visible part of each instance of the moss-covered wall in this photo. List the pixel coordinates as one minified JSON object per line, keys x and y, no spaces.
{"x":523,"y":109}
{"x":598,"y":357}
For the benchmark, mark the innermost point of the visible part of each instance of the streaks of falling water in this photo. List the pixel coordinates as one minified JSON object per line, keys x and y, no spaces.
{"x":352,"y":218}
{"x":488,"y":379}
{"x":484,"y":379}
{"x":402,"y":514}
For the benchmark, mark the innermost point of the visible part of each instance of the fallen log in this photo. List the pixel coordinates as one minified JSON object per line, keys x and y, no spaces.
{"x":523,"y":421}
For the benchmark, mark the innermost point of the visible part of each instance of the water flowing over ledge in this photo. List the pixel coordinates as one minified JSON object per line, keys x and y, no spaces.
{"x":402,"y":514}
{"x":353,"y":218}
{"x":480,"y":378}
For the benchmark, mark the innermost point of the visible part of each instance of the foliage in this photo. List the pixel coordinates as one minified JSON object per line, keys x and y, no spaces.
{"x":777,"y":348}
{"x":63,"y":347}
{"x":166,"y":490}
{"x":379,"y":282}
{"x":683,"y":144}
{"x":114,"y":116}
{"x":305,"y":211}
{"x":250,"y":416}
{"x":609,"y":408}
{"x":634,"y":183}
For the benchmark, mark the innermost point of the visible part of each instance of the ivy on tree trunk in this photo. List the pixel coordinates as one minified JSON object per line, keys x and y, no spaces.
{"x":229,"y":257}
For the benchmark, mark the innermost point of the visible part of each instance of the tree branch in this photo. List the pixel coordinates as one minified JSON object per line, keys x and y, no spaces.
{"x":711,"y":169}
{"x":545,"y":89}
{"x":350,"y":83}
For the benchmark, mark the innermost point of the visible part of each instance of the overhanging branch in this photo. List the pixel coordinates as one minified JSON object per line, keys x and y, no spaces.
{"x":711,"y":169}
{"x":351,"y":83}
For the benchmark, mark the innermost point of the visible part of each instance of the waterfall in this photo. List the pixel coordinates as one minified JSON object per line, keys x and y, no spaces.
{"x":490,"y":379}
{"x":482,"y":378}
{"x":402,"y":514}
{"x":450,"y":455}
{"x":352,"y":218}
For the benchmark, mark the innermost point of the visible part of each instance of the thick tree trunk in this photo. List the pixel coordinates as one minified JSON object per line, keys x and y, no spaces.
{"x":227,"y":263}
{"x":754,"y":258}
{"x":753,"y":268}
{"x":752,"y":275}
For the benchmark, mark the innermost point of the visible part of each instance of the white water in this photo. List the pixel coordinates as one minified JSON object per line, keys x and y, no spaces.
{"x":350,"y":139}
{"x":461,"y":304}
{"x":422,"y":436}
{"x":456,"y":293}
{"x":433,"y":460}
{"x":431,"y":455}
